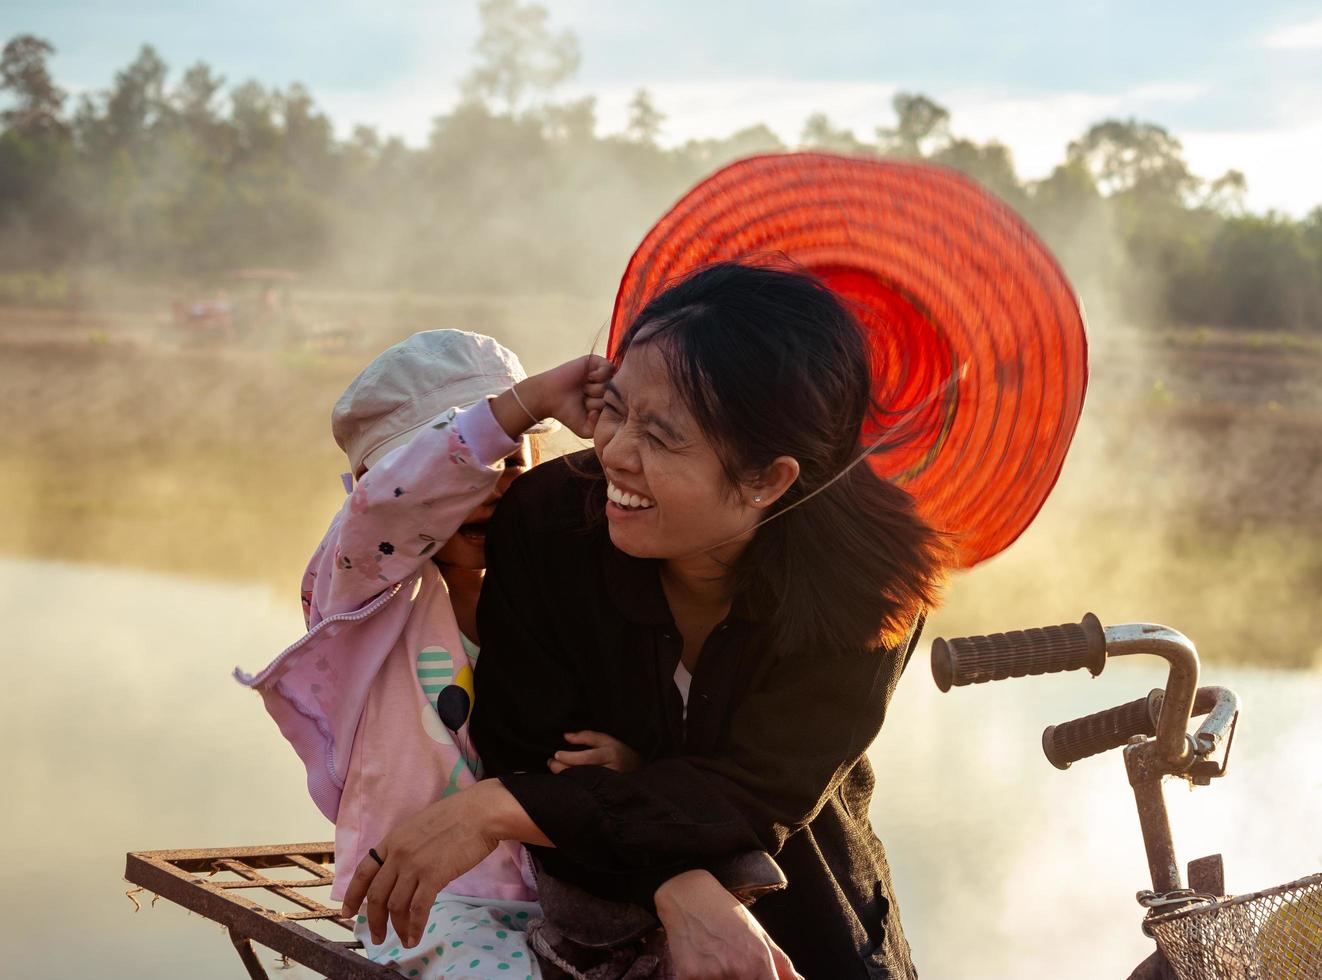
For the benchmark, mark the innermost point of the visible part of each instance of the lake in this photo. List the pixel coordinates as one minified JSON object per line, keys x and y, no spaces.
{"x":123,"y":731}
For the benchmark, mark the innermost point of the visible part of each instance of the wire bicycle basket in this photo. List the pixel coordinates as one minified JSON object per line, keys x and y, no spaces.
{"x":1273,"y":934}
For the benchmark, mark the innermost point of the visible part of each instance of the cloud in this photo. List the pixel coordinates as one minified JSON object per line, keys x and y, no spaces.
{"x":1280,"y":164}
{"x":404,"y":109}
{"x":1303,"y":36}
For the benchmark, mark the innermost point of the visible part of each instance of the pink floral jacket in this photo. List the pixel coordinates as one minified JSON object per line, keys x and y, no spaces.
{"x":347,"y":695}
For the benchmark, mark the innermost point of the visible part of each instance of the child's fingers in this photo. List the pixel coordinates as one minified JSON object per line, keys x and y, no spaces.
{"x":599,"y":369}
{"x":597,"y":391}
{"x":587,"y":757}
{"x":556,"y":766}
{"x":588,"y":738}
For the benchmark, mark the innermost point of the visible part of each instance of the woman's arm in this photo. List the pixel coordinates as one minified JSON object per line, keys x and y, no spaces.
{"x":711,"y":936}
{"x":709,"y":932}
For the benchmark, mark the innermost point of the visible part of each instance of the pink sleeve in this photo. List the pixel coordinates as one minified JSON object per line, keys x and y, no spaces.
{"x":405,"y":508}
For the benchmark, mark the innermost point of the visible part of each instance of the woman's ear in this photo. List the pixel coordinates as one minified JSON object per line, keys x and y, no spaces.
{"x":772,"y":483}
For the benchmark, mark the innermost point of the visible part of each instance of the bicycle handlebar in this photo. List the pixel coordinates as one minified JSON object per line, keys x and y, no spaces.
{"x":1094,"y":734}
{"x":1047,"y":650}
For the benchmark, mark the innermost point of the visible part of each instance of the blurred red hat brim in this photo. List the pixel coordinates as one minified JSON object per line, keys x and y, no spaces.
{"x":979,"y":347}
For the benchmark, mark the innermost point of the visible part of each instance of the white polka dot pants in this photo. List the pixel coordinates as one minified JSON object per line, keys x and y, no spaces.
{"x":465,"y":939}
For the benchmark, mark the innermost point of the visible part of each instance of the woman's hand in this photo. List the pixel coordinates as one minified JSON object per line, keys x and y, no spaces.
{"x":428,"y":851}
{"x":603,"y":750}
{"x":713,"y":937}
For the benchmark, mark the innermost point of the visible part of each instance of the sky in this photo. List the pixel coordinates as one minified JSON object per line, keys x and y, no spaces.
{"x":1240,"y":84}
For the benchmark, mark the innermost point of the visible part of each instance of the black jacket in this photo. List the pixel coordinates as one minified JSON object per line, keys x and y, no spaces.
{"x":577,"y":635}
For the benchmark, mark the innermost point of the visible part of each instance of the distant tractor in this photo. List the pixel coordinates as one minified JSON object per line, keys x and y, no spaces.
{"x":262,"y":313}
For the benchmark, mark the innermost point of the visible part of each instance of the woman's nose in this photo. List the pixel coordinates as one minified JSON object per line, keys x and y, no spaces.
{"x":620,"y":451}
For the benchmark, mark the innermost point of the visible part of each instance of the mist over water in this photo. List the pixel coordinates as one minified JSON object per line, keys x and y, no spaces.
{"x":125,"y":733}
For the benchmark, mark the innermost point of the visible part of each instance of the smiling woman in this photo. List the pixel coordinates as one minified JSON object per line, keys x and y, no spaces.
{"x":693,"y":543}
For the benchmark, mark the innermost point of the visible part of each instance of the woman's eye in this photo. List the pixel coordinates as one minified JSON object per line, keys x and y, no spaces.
{"x":655,"y":441}
{"x":608,"y":407}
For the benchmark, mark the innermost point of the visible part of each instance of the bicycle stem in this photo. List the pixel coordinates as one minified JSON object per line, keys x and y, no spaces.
{"x":1172,"y":744}
{"x":1171,"y":751}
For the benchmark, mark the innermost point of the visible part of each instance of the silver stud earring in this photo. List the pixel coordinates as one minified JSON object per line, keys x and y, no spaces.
{"x":757,"y":499}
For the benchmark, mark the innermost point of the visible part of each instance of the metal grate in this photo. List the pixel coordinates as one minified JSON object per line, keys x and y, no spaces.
{"x":230,"y":885}
{"x":1274,"y":934}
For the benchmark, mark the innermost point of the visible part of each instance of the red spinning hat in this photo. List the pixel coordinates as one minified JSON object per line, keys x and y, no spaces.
{"x":980,"y":355}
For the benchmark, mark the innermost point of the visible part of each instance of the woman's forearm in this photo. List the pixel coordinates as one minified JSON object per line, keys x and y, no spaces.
{"x":710,"y":934}
{"x":506,"y":818}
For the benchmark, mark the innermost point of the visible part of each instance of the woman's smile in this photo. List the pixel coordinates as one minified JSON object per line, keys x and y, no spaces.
{"x":626,"y":501}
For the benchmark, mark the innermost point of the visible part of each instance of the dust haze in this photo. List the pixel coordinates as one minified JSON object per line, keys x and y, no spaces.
{"x":138,"y":428}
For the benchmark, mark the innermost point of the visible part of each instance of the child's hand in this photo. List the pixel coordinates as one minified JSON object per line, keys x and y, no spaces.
{"x":572,"y":393}
{"x":602,"y":751}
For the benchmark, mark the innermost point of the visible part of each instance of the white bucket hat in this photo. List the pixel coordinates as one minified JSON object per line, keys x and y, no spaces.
{"x":412,"y":382}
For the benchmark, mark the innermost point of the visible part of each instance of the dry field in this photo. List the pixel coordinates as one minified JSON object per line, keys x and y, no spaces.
{"x":1193,"y":495}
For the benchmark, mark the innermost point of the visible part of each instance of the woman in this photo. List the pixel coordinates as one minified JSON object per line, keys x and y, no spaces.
{"x":720,"y":587}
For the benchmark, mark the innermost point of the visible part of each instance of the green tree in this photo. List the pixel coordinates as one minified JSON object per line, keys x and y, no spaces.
{"x":573,"y":122}
{"x":701,"y":156}
{"x":159,"y":180}
{"x":922,"y":127}
{"x":989,"y":163}
{"x":308,"y":137}
{"x":1260,"y":272}
{"x":645,"y":119}
{"x":1132,"y":157}
{"x":253,"y":121}
{"x":24,"y":76}
{"x":1227,"y":193}
{"x":820,"y":133}
{"x":137,"y":102}
{"x":195,"y":102}
{"x":517,"y":54}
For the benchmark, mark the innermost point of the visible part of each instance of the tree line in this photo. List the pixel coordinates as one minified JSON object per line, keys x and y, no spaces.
{"x":179,"y":177}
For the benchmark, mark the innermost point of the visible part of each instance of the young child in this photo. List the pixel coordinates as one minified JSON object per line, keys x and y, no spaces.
{"x":375,"y":698}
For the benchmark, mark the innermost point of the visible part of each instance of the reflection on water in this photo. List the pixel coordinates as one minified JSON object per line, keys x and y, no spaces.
{"x":123,"y":732}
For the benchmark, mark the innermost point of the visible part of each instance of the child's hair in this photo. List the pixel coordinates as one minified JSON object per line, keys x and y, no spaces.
{"x":771,"y":363}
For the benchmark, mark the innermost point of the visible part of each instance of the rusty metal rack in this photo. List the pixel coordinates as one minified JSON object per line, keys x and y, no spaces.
{"x":217,"y":883}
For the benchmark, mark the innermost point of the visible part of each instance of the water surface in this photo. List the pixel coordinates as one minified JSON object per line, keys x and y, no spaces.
{"x":122,"y":731}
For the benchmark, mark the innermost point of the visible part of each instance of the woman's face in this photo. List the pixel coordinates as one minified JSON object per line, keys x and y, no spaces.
{"x":667,"y":494}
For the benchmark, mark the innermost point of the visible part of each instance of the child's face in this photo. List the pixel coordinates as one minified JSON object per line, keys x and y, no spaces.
{"x":467,"y":547}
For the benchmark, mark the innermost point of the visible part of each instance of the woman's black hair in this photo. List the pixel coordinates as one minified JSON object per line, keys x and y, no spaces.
{"x":771,"y":363}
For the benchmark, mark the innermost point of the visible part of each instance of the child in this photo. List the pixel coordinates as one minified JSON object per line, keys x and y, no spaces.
{"x":376,"y":696}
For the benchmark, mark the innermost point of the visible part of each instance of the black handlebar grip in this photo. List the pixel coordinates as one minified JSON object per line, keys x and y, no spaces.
{"x":975,"y":659}
{"x":1096,"y":733}
{"x":1071,"y":741}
